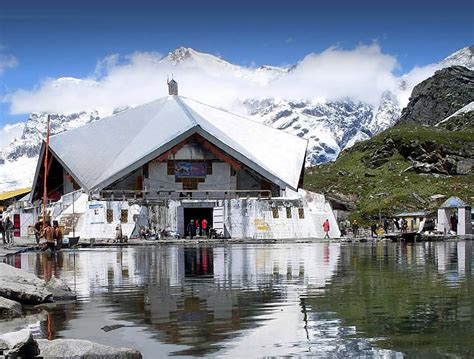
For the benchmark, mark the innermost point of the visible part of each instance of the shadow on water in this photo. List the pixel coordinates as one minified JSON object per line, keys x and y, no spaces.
{"x":259,"y":300}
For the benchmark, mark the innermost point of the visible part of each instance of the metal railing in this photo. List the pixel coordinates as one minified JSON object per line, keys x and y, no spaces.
{"x":126,"y":195}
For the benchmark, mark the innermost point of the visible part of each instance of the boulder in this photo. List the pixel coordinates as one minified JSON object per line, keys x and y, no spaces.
{"x":19,"y":285}
{"x":9,"y":308}
{"x":18,"y":344}
{"x":59,"y":290}
{"x":75,"y":348}
{"x":24,"y":293}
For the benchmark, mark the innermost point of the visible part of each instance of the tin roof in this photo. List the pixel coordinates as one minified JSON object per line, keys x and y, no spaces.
{"x":99,"y":153}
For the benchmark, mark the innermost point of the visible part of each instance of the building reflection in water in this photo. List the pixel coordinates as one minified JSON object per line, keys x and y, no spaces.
{"x":198,"y":297}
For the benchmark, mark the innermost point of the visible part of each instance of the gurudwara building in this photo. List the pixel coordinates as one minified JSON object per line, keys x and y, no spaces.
{"x":173,"y":160}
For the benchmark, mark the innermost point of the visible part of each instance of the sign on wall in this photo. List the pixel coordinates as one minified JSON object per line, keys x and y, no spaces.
{"x":190,"y":169}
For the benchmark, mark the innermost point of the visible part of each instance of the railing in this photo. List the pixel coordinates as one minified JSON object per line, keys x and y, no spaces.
{"x":150,"y":195}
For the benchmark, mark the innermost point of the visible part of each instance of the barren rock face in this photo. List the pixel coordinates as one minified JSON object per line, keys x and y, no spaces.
{"x":440,"y":96}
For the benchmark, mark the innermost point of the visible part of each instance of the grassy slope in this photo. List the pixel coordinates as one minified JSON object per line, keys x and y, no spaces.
{"x":391,"y":190}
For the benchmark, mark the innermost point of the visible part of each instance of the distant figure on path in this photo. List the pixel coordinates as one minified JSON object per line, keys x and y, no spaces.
{"x":396,"y":225}
{"x":48,"y":234}
{"x":326,"y":228}
{"x":355,"y":228}
{"x":454,"y":223}
{"x":118,"y":232}
{"x":2,"y":231}
{"x":191,"y":229}
{"x":198,"y":228}
{"x":38,"y":228}
{"x":386,"y":224}
{"x":8,"y":225}
{"x":373,"y":230}
{"x":57,"y":235}
{"x":204,"y":227}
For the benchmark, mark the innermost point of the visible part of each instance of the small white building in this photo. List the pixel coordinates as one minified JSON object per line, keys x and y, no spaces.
{"x":174,"y":160}
{"x":454,"y":216}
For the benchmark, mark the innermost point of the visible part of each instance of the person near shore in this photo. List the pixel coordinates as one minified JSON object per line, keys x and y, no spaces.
{"x":8,"y":226}
{"x":2,"y":231}
{"x":37,"y":229}
{"x":396,"y":225}
{"x":355,"y":228}
{"x":373,"y":230}
{"x":118,"y":233}
{"x":57,"y":235}
{"x":386,"y":224}
{"x":326,"y":228}
{"x":48,"y":234}
{"x":204,"y":227}
{"x":454,"y":223}
{"x":197,"y":227}
{"x":190,"y":229}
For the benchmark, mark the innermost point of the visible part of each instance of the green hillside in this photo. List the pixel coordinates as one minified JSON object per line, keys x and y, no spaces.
{"x":399,"y":170}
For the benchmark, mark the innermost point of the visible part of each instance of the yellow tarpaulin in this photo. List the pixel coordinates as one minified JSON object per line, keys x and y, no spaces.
{"x":11,"y":194}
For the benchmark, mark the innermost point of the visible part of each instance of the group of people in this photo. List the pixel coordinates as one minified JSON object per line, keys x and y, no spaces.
{"x":6,"y":230}
{"x":53,"y":235}
{"x":197,"y":228}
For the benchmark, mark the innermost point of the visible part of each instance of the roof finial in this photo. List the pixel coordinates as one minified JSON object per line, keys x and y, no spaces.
{"x":172,"y":87}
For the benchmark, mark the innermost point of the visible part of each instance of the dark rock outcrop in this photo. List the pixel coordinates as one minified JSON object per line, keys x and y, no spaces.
{"x":439,"y":96}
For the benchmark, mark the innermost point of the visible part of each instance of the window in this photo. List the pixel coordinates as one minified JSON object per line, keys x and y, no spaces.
{"x":288,"y":212}
{"x":170,"y":167}
{"x":209,"y":167}
{"x":145,"y":171}
{"x":275,"y":212}
{"x":110,"y":215}
{"x":124,"y":215}
{"x":301,"y":213}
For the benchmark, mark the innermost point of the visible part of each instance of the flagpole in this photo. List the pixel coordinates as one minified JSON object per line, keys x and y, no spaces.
{"x":45,"y":193}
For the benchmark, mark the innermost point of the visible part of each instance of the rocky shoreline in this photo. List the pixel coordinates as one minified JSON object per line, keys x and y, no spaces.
{"x":19,"y":288}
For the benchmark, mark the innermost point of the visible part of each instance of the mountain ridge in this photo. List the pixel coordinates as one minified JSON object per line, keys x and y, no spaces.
{"x":330,"y":125}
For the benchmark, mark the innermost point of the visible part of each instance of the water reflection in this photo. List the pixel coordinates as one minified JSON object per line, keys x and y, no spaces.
{"x":254,"y":300}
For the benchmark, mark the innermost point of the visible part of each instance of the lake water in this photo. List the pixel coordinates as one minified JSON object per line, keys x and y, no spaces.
{"x":254,"y":300}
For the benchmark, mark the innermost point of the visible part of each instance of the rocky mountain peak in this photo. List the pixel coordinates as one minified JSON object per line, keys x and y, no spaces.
{"x":439,"y":96}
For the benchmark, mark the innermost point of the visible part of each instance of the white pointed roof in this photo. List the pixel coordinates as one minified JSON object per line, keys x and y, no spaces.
{"x":103,"y":151}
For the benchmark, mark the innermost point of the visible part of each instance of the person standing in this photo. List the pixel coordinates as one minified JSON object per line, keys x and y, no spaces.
{"x":57,"y":235}
{"x":355,"y":228}
{"x":191,"y":229}
{"x":2,"y":231}
{"x":48,"y":234}
{"x":8,"y":230}
{"x":197,"y":228}
{"x":37,"y":229}
{"x":386,"y":224}
{"x":204,"y":227}
{"x":373,"y":230}
{"x":326,"y":228}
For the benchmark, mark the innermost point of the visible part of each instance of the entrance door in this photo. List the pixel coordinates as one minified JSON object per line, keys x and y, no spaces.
{"x":197,"y":213}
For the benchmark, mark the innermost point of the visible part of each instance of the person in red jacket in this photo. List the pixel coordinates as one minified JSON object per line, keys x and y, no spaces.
{"x":326,"y":228}
{"x":204,"y":227}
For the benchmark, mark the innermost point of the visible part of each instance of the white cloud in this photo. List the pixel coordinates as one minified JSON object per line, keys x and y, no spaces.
{"x":7,"y":62}
{"x":10,"y":132}
{"x":362,"y":73}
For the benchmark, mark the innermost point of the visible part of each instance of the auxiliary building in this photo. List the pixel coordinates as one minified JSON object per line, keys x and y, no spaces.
{"x":165,"y":163}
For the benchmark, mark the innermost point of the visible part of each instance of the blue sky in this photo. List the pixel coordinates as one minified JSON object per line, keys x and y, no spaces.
{"x":63,"y":38}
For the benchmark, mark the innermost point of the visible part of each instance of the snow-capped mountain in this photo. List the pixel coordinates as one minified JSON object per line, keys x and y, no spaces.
{"x":330,"y":126}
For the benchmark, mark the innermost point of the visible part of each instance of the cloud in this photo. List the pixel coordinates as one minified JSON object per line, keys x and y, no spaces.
{"x":7,"y":61}
{"x":362,"y":73}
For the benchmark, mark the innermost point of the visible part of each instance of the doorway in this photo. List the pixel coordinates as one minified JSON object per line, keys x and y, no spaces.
{"x":194,"y":213}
